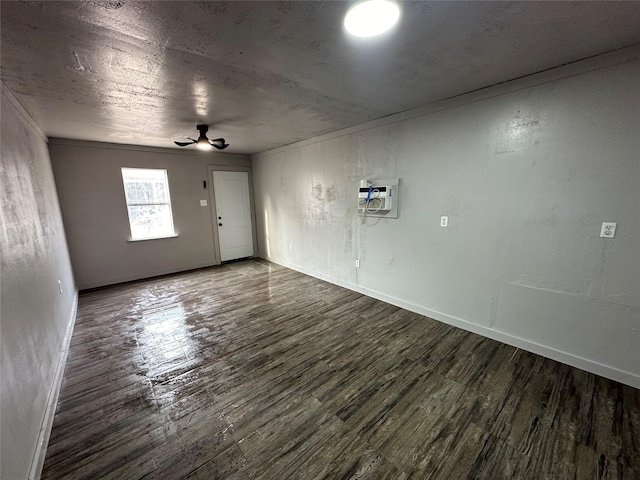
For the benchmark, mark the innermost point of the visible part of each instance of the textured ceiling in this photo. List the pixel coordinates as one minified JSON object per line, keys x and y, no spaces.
{"x":266,"y":74}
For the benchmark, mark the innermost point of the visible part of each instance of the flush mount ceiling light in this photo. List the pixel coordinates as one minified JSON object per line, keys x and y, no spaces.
{"x":371,"y":17}
{"x":203,"y":143}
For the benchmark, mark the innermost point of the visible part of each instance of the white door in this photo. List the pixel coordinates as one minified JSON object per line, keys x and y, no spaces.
{"x":233,"y":214}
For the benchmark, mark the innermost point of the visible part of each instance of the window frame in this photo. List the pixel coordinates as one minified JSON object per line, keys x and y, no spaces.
{"x":132,"y":238}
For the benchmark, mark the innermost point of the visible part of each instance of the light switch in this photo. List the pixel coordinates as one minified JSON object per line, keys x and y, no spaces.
{"x":608,"y":230}
{"x":444,"y":221}
{"x":203,"y":203}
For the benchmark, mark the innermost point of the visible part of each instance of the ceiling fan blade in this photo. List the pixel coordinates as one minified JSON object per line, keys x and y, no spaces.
{"x":184,"y":144}
{"x":219,"y":143}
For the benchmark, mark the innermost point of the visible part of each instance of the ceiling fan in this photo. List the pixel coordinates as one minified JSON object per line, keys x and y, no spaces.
{"x":203,"y":143}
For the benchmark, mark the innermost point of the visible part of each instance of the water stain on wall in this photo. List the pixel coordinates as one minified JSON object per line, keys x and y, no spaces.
{"x":21,"y":203}
{"x":331,"y":193}
{"x":518,"y":133}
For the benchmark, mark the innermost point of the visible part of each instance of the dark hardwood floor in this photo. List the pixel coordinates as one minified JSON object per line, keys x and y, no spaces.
{"x":254,"y":371}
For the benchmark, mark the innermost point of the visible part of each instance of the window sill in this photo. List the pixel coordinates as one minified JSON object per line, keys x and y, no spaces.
{"x":152,"y":238}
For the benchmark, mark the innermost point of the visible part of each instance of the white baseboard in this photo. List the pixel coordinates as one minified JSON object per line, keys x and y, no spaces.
{"x":105,"y":282}
{"x":582,"y":363}
{"x":47,"y":422}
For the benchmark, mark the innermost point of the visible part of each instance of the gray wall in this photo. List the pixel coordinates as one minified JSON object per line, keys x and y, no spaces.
{"x":89,"y":182}
{"x":526,"y":173}
{"x":34,"y":316}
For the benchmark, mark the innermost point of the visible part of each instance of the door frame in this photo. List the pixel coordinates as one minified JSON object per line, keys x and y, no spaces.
{"x":212,"y":207}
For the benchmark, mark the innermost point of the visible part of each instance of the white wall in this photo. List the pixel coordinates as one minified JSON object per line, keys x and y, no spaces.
{"x":526,"y":172}
{"x":89,"y":181}
{"x":35,"y":319}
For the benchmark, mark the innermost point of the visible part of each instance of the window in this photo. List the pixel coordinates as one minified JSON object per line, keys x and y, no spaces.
{"x":148,"y":202}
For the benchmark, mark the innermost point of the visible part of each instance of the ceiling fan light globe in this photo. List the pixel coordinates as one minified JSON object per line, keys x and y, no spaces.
{"x":203,"y":145}
{"x":371,"y":17}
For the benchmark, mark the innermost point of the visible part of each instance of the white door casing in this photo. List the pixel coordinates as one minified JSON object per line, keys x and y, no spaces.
{"x":233,"y":214}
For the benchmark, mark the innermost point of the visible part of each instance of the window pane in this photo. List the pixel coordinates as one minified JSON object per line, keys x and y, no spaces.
{"x":145,"y":192}
{"x":159,"y":193}
{"x":144,"y":185}
{"x":150,"y":221}
{"x":131,"y":191}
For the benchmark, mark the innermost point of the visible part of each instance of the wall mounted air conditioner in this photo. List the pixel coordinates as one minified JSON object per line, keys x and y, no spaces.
{"x":375,"y":198}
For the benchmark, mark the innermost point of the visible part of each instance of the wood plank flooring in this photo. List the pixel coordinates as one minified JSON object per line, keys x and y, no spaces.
{"x":254,"y":371}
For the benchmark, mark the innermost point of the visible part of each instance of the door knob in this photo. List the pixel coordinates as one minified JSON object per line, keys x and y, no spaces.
{"x":219,"y":218}
{"x":219,"y":224}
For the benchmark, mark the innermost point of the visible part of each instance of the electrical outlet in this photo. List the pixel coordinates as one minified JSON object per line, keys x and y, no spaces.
{"x":608,"y":230}
{"x":203,"y":203}
{"x":444,"y":221}
{"x":357,"y":263}
{"x":60,"y":287}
